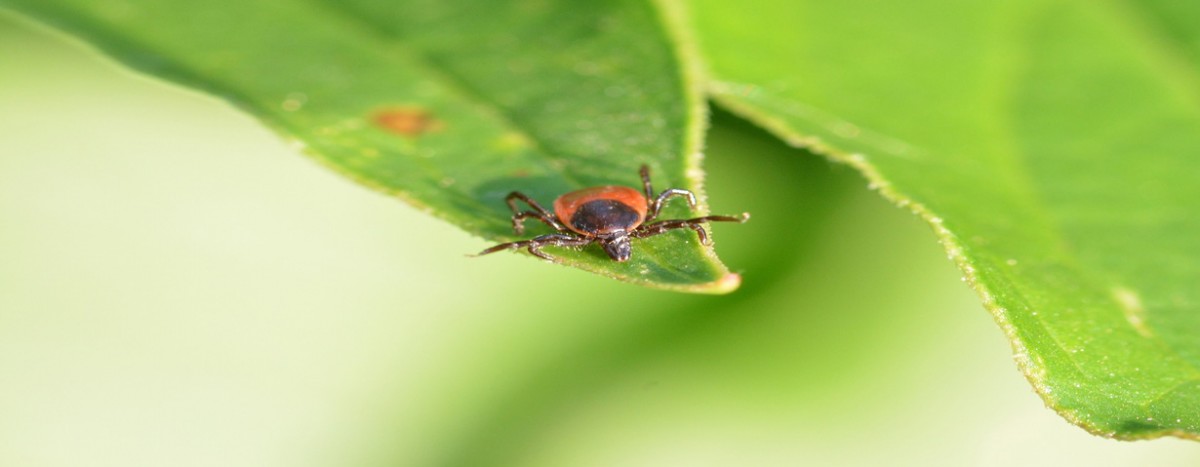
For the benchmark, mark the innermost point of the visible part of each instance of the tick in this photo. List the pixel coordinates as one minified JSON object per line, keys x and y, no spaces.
{"x":609,"y":215}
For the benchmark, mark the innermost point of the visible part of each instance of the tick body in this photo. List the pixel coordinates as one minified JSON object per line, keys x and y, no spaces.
{"x":609,"y":215}
{"x":601,"y":210}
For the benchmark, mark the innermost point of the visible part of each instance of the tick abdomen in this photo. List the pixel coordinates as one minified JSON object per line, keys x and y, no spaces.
{"x":604,"y":216}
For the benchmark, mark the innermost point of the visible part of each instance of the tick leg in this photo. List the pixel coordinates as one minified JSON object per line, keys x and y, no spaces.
{"x":535,"y":244}
{"x":539,"y":213}
{"x":700,"y":232}
{"x":645,"y":171}
{"x":518,"y":221}
{"x":503,"y":246}
{"x":662,"y":198}
{"x":654,"y":204}
{"x":649,"y":230}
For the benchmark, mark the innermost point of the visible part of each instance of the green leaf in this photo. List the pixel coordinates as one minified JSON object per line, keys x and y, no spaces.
{"x":447,"y":106}
{"x":1052,"y":147}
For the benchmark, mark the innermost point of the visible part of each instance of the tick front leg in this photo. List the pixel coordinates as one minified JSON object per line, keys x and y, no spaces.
{"x":504,"y":246}
{"x":538,"y":212}
{"x":649,"y":230}
{"x":535,"y":244}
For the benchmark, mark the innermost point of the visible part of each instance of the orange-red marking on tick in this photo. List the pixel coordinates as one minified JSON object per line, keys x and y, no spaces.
{"x":407,"y":121}
{"x":628,"y":200}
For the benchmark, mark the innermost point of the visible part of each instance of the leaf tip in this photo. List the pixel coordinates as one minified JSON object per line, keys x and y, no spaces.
{"x":724,"y":285}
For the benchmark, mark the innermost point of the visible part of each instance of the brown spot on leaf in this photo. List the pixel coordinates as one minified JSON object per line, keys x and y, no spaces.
{"x":520,"y":173}
{"x":408,"y":121}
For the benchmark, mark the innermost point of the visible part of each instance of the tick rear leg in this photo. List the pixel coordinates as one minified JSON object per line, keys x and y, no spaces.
{"x":649,"y":230}
{"x":538,"y":212}
{"x":535,"y":244}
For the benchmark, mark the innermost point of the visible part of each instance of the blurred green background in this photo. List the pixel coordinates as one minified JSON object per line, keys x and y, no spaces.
{"x":178,"y":287}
